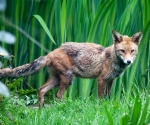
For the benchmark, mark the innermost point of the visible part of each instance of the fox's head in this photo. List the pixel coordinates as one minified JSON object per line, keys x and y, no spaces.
{"x":126,"y":47}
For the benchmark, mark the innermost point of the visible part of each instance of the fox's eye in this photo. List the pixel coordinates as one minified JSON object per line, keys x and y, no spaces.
{"x":132,"y":51}
{"x":123,"y":51}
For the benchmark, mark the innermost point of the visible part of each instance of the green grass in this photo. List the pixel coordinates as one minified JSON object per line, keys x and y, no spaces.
{"x":131,"y":111}
{"x":59,"y":21}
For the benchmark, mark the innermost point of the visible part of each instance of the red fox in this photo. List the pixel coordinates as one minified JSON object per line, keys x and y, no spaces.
{"x":86,"y":60}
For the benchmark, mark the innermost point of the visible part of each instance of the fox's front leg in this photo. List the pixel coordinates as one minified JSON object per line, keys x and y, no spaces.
{"x":109,"y":86}
{"x":101,"y":87}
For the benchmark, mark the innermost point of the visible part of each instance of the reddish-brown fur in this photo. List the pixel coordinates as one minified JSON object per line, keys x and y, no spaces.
{"x":86,"y":60}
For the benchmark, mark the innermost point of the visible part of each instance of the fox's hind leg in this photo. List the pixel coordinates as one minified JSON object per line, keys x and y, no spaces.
{"x":65,"y":82}
{"x":51,"y":83}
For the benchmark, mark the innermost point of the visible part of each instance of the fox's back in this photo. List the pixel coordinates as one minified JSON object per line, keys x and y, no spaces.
{"x":82,"y":47}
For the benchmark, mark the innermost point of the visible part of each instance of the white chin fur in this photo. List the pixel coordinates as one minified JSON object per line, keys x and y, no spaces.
{"x":125,"y":61}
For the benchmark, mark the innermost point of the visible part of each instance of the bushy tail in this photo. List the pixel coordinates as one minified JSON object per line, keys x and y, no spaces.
{"x":24,"y":70}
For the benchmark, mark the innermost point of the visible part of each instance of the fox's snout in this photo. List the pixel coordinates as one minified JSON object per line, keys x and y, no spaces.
{"x":128,"y":61}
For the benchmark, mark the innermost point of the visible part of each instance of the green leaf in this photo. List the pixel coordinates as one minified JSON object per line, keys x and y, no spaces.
{"x":110,"y":119}
{"x":41,"y":21}
{"x":126,"y":16}
{"x":136,"y":112}
{"x":102,"y":11}
{"x":144,"y":112}
{"x":85,"y":88}
{"x":58,"y":21}
{"x":124,"y":120}
{"x":63,"y":19}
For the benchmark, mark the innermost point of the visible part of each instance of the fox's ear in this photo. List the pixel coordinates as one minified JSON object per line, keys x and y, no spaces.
{"x":137,"y":37}
{"x":117,"y":37}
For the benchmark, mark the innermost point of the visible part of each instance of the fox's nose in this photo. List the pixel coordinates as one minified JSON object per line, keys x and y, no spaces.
{"x":128,"y":61}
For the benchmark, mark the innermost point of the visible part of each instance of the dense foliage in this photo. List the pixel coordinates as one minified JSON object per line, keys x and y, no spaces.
{"x":128,"y":111}
{"x":80,"y":21}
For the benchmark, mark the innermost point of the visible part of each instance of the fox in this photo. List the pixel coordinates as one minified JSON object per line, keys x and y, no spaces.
{"x":85,"y":60}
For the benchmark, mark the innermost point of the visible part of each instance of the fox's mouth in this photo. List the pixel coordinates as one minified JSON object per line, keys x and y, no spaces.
{"x":124,"y":61}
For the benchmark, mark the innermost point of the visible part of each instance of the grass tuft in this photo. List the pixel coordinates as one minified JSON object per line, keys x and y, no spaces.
{"x":86,"y":111}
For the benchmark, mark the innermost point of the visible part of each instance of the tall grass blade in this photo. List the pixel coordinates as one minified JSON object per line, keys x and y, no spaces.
{"x":99,"y":16}
{"x":144,"y":113}
{"x":85,"y":88}
{"x":41,"y":21}
{"x":81,"y":21}
{"x":63,"y":19}
{"x":136,"y":113}
{"x":110,"y":119}
{"x":124,"y":120}
{"x":58,"y":21}
{"x":148,"y":119}
{"x":125,"y":18}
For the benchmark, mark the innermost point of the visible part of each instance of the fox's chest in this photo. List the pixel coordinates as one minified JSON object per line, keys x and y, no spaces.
{"x":114,"y":71}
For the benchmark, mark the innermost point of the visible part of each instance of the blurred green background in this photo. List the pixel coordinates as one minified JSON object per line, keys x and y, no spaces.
{"x":79,"y":21}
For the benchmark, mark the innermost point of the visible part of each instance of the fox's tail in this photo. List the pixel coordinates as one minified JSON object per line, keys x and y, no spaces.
{"x":24,"y":70}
